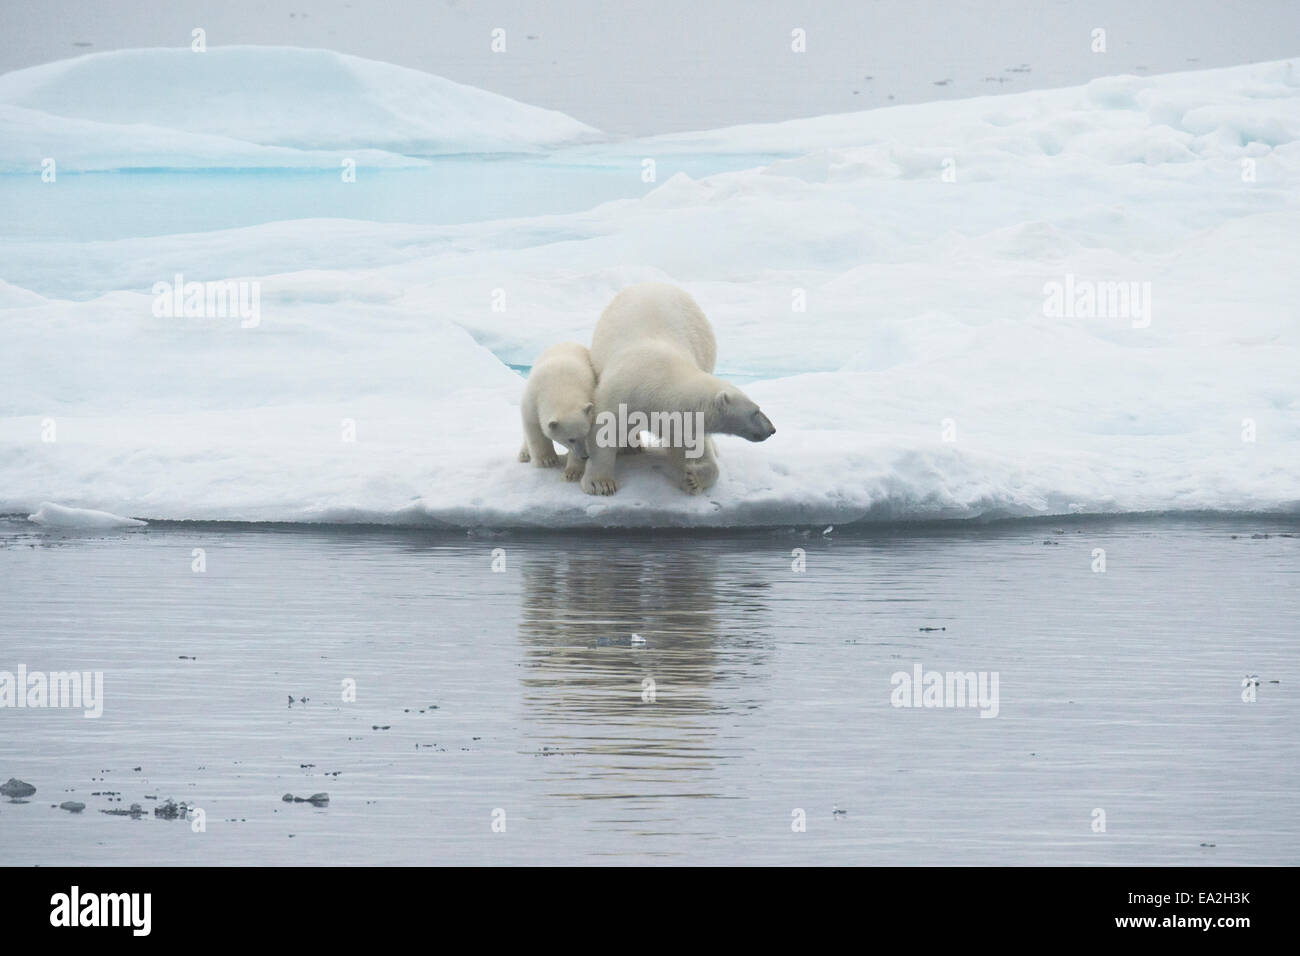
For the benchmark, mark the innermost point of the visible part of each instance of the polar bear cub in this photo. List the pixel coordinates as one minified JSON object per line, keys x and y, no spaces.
{"x":653,"y":352}
{"x":557,"y":406}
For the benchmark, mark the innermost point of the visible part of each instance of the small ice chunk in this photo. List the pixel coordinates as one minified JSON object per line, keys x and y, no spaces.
{"x":51,"y":515}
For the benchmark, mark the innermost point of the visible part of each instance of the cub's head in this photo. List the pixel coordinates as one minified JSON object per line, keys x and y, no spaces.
{"x":570,"y":429}
{"x":738,"y":414}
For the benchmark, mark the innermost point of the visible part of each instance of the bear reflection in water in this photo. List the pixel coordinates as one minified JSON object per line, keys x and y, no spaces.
{"x":581,"y":609}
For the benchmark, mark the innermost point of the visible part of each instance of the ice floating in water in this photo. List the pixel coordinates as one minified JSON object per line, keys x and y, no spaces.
{"x":56,"y":516}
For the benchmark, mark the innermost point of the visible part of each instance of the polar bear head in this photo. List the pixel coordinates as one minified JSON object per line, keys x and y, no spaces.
{"x":735,"y":413}
{"x":569,"y":427}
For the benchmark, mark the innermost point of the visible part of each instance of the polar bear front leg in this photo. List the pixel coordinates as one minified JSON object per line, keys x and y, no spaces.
{"x":699,"y":474}
{"x":599,"y":478}
{"x":538,"y":446}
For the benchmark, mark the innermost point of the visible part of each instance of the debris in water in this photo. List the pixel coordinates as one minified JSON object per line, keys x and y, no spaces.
{"x":16,"y":789}
{"x":316,"y":799}
{"x":171,"y":810}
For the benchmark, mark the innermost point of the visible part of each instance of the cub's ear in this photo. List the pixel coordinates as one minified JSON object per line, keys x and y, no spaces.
{"x":722,"y":399}
{"x":587,"y":409}
{"x":552,"y":425}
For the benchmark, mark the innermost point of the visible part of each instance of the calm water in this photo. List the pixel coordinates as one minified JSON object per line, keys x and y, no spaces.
{"x":522,"y":691}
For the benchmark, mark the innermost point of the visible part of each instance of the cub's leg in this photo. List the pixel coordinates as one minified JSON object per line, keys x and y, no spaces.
{"x":538,"y":446}
{"x":574,"y":467}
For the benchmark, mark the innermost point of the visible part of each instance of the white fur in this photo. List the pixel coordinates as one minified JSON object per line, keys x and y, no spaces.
{"x":654,"y":351}
{"x":557,"y":407}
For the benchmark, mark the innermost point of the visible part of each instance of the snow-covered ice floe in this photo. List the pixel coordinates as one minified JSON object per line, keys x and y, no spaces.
{"x":1075,"y":300}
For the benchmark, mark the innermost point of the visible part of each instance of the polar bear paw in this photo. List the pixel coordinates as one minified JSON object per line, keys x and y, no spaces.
{"x":573,"y":468}
{"x":525,"y":455}
{"x":697,"y":480}
{"x":546,"y":459}
{"x":599,"y":486}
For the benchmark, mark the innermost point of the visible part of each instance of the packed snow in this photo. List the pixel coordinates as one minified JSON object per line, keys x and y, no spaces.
{"x":255,"y":106}
{"x":925,"y":300}
{"x":28,"y":137}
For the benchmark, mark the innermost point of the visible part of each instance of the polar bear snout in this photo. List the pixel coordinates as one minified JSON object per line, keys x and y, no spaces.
{"x":760,"y":427}
{"x":735,"y":413}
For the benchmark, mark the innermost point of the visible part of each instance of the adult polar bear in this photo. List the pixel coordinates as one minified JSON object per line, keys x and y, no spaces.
{"x":653,"y":352}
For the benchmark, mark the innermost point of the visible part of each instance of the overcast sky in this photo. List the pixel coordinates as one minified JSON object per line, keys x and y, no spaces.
{"x":664,"y":65}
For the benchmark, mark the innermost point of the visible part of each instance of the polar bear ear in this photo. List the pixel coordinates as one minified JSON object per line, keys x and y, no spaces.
{"x":722,"y":399}
{"x":552,"y":425}
{"x":587,"y":409}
